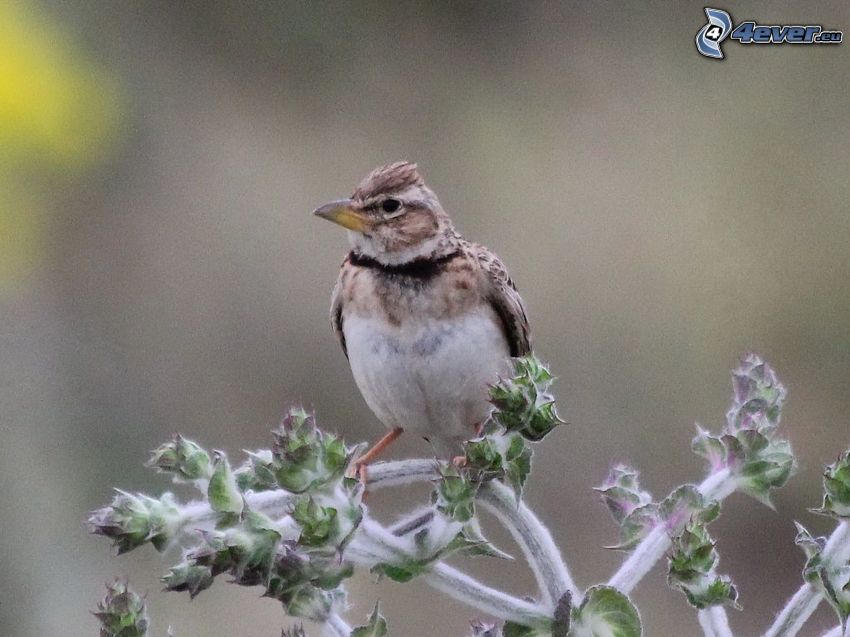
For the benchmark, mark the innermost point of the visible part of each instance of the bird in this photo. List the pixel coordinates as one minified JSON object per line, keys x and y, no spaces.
{"x":427,"y":319}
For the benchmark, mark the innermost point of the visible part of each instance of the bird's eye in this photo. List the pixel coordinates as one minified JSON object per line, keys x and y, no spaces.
{"x":390,"y":205}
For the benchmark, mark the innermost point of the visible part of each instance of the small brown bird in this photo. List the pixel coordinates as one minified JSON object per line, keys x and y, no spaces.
{"x":426,"y":318}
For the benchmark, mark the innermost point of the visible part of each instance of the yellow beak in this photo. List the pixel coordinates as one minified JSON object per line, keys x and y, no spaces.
{"x":343,"y":213}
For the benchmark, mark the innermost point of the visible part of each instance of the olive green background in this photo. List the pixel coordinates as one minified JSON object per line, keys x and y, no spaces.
{"x":661,"y":213}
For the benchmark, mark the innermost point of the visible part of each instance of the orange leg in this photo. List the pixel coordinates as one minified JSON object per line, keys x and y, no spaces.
{"x":358,"y":468}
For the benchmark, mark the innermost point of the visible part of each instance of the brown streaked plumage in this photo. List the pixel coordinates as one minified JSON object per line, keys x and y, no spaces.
{"x":426,"y":318}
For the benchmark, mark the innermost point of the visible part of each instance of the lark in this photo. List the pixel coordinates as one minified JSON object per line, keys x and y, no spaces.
{"x":426,"y":318}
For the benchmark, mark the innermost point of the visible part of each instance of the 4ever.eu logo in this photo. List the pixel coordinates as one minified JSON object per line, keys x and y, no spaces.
{"x":720,"y":26}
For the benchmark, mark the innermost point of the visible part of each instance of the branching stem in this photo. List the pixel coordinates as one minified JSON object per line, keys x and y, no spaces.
{"x":807,"y":598}
{"x":550,"y":570}
{"x":717,"y":486}
{"x":374,"y":541}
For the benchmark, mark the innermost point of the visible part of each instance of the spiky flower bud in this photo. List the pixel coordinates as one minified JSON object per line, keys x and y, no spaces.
{"x":832,"y":580}
{"x":749,"y":447}
{"x":188,"y":576}
{"x":454,"y":494}
{"x":307,"y":582}
{"x":757,"y":397}
{"x":319,"y":525}
{"x":245,"y":551}
{"x":621,"y":492}
{"x":223,"y":493}
{"x":505,"y":457}
{"x":135,"y":519}
{"x":122,"y":612}
{"x":307,"y":458}
{"x":258,"y":472}
{"x":836,"y":488}
{"x":523,"y":403}
{"x":375,"y":627}
{"x":691,"y":569}
{"x":641,"y":515}
{"x":186,"y":460}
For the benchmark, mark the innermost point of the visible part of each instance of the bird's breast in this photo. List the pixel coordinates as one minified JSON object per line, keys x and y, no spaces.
{"x":425,"y":373}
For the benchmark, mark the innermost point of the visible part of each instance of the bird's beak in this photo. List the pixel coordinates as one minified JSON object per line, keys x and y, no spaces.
{"x":343,"y":213}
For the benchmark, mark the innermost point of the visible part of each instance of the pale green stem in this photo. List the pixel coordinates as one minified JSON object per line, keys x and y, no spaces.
{"x":335,"y":626}
{"x":550,"y":570}
{"x":714,"y":622}
{"x":807,"y":598}
{"x":489,"y":600}
{"x":401,"y":472}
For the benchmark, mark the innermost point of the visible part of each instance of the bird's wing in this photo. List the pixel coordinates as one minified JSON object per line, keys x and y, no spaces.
{"x":336,"y":308}
{"x":506,"y":301}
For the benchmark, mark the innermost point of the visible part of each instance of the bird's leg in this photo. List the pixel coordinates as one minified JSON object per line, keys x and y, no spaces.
{"x":358,"y":467}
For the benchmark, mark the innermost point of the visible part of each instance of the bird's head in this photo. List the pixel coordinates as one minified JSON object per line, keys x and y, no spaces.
{"x":393,"y":217}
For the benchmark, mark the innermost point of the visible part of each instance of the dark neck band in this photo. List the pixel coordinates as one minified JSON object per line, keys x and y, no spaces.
{"x":420,"y":267}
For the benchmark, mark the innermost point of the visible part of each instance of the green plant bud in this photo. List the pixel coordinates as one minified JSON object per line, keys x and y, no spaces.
{"x":223,"y":493}
{"x":719,"y":591}
{"x":621,"y":492}
{"x":246,"y":552}
{"x":496,"y":456}
{"x":122,"y":612}
{"x":375,"y":627}
{"x":454,"y":494}
{"x":484,"y":456}
{"x":319,"y":525}
{"x":757,"y":397}
{"x":636,"y":526}
{"x":253,"y":546}
{"x":185,"y":459}
{"x":686,"y":504}
{"x":748,"y":446}
{"x":833,"y":581}
{"x":836,"y":488}
{"x":296,"y":436}
{"x":213,"y":552}
{"x":188,"y":576}
{"x":691,"y":569}
{"x":305,"y":458}
{"x":258,"y":472}
{"x":133,"y":520}
{"x":522,"y":403}
{"x":307,"y":582}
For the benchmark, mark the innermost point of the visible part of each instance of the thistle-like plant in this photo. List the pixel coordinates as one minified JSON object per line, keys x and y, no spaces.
{"x":289,"y":521}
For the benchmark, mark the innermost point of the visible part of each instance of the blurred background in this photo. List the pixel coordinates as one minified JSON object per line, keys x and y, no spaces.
{"x":662,"y":214}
